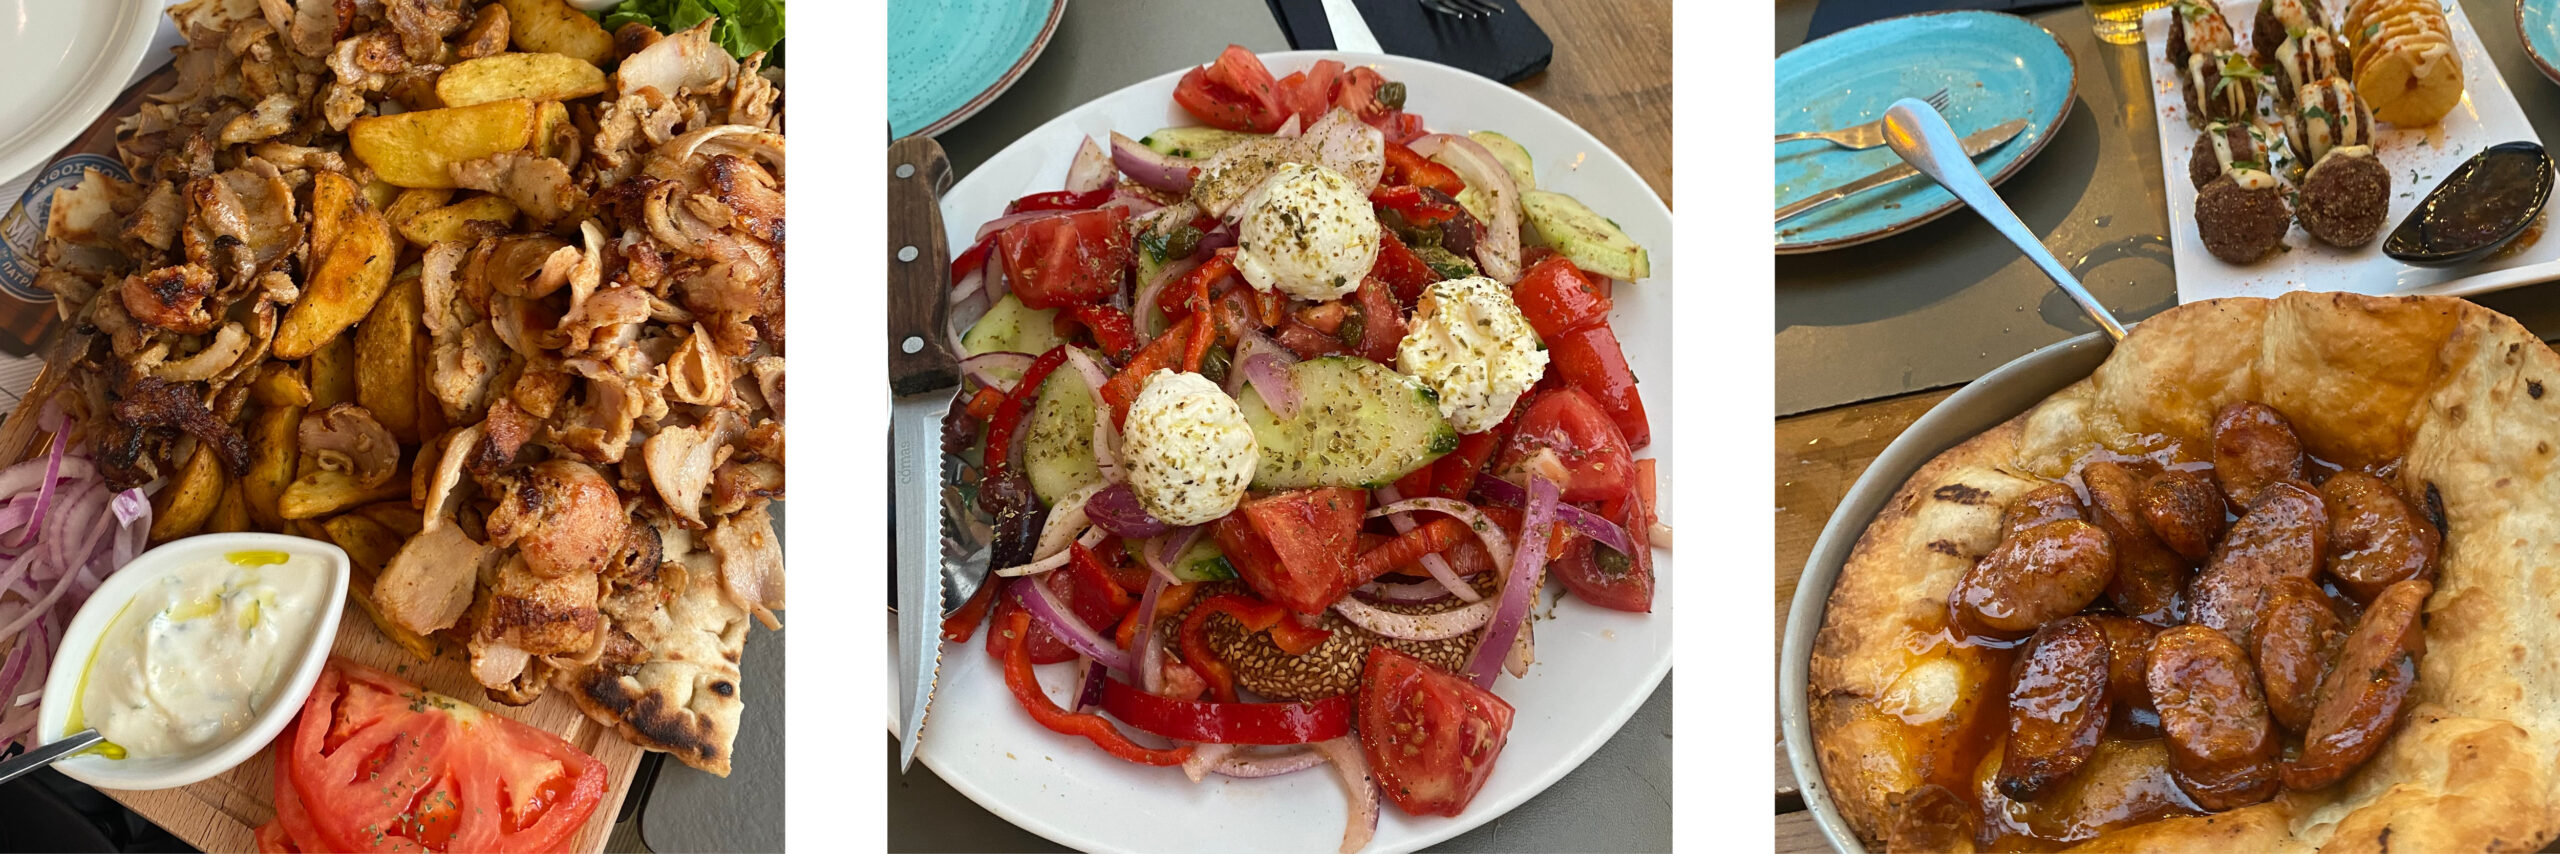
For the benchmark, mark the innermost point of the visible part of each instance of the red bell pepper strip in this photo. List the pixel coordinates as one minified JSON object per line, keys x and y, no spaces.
{"x":1228,"y":723}
{"x":1185,"y":296}
{"x":1111,"y":328}
{"x":1008,"y":416}
{"x":983,"y":404}
{"x":1060,"y":200}
{"x":1168,"y":603}
{"x":972,"y":258}
{"x":1256,"y":615}
{"x":964,"y":622}
{"x":1417,"y":209}
{"x":1405,"y":167}
{"x":1431,"y":537}
{"x":1159,"y":354}
{"x":1025,"y":686}
{"x":1086,"y":570}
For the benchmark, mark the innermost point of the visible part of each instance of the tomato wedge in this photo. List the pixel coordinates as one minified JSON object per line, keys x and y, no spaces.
{"x":1228,"y":723}
{"x":1564,"y":435}
{"x":1589,"y":359}
{"x":1066,"y":259}
{"x":1233,"y":93}
{"x":382,"y":765}
{"x":1312,"y":535}
{"x":1431,"y":737}
{"x":1557,"y":299}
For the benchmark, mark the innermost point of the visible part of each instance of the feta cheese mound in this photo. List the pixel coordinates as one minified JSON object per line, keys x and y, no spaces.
{"x":1469,"y":342}
{"x":1308,"y":232}
{"x":1187,"y":450}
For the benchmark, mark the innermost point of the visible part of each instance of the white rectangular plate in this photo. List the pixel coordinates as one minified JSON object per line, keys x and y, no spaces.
{"x":2418,"y":159}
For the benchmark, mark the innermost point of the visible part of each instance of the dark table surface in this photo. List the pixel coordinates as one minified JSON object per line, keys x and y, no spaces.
{"x":1949,"y":301}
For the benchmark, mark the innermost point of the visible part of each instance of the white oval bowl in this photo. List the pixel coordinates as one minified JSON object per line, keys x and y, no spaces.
{"x":62,"y":683}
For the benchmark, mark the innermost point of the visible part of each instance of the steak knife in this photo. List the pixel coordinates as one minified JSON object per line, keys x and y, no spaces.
{"x":924,"y":377}
{"x":1974,"y":146}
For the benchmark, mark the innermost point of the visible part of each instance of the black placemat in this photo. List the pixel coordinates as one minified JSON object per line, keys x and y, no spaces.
{"x":1508,"y":47}
{"x":1836,"y":15}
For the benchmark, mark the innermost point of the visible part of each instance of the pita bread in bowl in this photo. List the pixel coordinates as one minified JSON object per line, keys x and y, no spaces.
{"x":2458,"y":406}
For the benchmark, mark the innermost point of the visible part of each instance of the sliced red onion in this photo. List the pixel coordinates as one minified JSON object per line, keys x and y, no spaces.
{"x":1600,"y":530}
{"x":1061,"y":622}
{"x":1203,"y":758}
{"x":1145,"y":311}
{"x":1270,"y":377}
{"x":1344,"y":753}
{"x":1116,"y":509}
{"x":1168,"y":547}
{"x":1499,"y":252}
{"x":1420,"y":627}
{"x":1350,"y":147}
{"x":1520,"y":588}
{"x":16,"y":667}
{"x":1430,"y":592}
{"x":1136,"y":203}
{"x":1496,"y":543}
{"x":1215,"y":239}
{"x":1152,"y":168}
{"x":1255,"y":765}
{"x":1009,"y":220}
{"x":1090,"y":696}
{"x":1441,"y":572}
{"x":1249,"y":343}
{"x":1288,"y":128}
{"x":44,"y":492}
{"x":983,"y":367}
{"x":1091,"y":170}
{"x":1106,"y":436}
{"x":1092,"y":537}
{"x":996,"y":286}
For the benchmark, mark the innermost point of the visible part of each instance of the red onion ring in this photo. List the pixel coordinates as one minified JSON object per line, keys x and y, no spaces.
{"x":1062,"y":623}
{"x":1520,"y":588}
{"x":1092,"y":537}
{"x":1421,"y":627}
{"x":982,"y":367}
{"x":1600,"y":530}
{"x":1420,"y":593}
{"x":1146,"y":166}
{"x":1344,"y":753}
{"x":1204,"y":757}
{"x":1270,"y":377}
{"x":1149,"y":677}
{"x":1105,"y":435}
{"x":1255,"y":765}
{"x":44,"y":493}
{"x":1433,"y":563}
{"x":1496,"y":543}
{"x":1169,"y":546}
{"x":1145,"y":310}
{"x":1090,"y":170}
{"x":1090,"y":696}
{"x":1009,"y":220}
{"x":1499,"y":252}
{"x":1116,"y":509}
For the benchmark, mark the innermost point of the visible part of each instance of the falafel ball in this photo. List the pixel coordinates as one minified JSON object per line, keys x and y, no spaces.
{"x":2242,"y":216}
{"x":2280,"y":18}
{"x":2221,"y":87}
{"x":2197,"y":26}
{"x":2345,"y":197}
{"x":2241,"y":145}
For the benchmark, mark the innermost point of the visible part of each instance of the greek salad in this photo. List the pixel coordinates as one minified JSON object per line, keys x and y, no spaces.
{"x":1282,"y":421}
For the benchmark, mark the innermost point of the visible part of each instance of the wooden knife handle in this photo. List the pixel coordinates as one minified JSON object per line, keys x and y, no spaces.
{"x":920,"y":357}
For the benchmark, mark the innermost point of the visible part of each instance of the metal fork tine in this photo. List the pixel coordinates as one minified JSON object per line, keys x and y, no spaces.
{"x":1937,"y":101}
{"x":1488,"y":7}
{"x":1439,"y":6}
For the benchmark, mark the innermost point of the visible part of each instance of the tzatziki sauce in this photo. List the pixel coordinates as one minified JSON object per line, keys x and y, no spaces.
{"x":196,"y":656}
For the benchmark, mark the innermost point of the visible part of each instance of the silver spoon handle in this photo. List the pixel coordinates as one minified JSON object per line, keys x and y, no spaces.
{"x":1924,"y":140}
{"x":48,"y":754}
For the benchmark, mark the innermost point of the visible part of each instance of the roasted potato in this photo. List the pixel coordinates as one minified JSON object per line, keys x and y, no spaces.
{"x":333,"y":372}
{"x":553,"y":26}
{"x":453,"y":221}
{"x":333,"y":198}
{"x":274,"y":447}
{"x":418,"y":149}
{"x":279,"y":384}
{"x":414,"y":202}
{"x":230,"y":512}
{"x":380,"y":193}
{"x":538,"y":76}
{"x":386,"y":376}
{"x":343,"y":289}
{"x":325,"y":492}
{"x":369,"y":544}
{"x":554,"y":134}
{"x":188,"y":500}
{"x":395,"y":514}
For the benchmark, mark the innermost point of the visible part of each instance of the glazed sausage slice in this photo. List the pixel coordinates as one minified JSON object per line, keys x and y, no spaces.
{"x":2222,"y":747}
{"x":2253,"y":445}
{"x":2285,"y":535}
{"x":2057,"y":707}
{"x":2186,"y":511}
{"x":2296,"y":637}
{"x":2150,"y":580}
{"x":1931,"y":819}
{"x":2052,"y":570}
{"x":2361,"y":698}
{"x":2128,"y":677}
{"x":2375,"y":537}
{"x":2052,"y":502}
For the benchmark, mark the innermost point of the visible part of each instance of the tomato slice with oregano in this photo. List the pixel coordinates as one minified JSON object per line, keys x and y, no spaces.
{"x":1309,"y":536}
{"x":1564,"y":435}
{"x":1431,"y":737}
{"x":1066,"y":259}
{"x":1228,"y":723}
{"x":383,"y":765}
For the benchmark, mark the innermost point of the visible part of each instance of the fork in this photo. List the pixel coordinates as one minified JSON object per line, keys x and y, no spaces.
{"x":1468,"y":9}
{"x":1867,"y":135}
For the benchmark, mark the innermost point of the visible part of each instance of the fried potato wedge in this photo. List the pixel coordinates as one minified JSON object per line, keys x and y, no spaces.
{"x":333,"y":199}
{"x":414,"y":202}
{"x":380,"y":193}
{"x":342,"y":290}
{"x":230,"y":512}
{"x":369,"y":544}
{"x":279,"y":384}
{"x":536,"y":76}
{"x":326,"y":492}
{"x":555,"y":135}
{"x":418,"y":149}
{"x":454,"y":221}
{"x":553,"y":26}
{"x":386,"y":374}
{"x":186,"y":502}
{"x":274,"y":447}
{"x":333,"y":372}
{"x":396,"y":515}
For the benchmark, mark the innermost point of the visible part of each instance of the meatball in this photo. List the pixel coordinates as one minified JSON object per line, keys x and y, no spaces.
{"x":2238,"y":143}
{"x":2345,"y":197}
{"x":2242,"y":216}
{"x":2327,"y":114}
{"x":2221,"y":87}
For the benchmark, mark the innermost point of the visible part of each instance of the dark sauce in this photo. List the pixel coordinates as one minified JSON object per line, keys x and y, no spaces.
{"x":2486,"y":202}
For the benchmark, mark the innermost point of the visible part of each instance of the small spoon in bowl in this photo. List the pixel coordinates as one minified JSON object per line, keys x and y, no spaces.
{"x":1924,"y":140}
{"x":67,"y":747}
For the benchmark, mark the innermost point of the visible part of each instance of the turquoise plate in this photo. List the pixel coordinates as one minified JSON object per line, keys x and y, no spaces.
{"x":2538,"y":26}
{"x":1994,"y":67}
{"x":949,"y":58}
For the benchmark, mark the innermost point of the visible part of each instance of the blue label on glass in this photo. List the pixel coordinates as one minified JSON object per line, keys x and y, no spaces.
{"x":22,"y":230}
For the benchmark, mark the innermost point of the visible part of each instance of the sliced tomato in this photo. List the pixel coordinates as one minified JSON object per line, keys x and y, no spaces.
{"x":1408,"y":168}
{"x":1563,"y":435}
{"x":1400,"y":127}
{"x":1067,"y":259}
{"x":291,"y":831}
{"x":1233,"y":93}
{"x":1603,"y":577}
{"x":1431,"y":737}
{"x":1228,"y":723}
{"x":1307,"y":540}
{"x":1589,"y":359}
{"x":1380,"y":322}
{"x":1556,"y":298}
{"x":1417,"y":207}
{"x":383,"y":765}
{"x":1358,"y":92}
{"x":1405,"y":273}
{"x":1307,"y":341}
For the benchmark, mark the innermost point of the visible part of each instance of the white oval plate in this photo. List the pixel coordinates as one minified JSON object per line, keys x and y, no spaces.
{"x":62,"y":683}
{"x":1594,"y":667}
{"x":65,"y":62}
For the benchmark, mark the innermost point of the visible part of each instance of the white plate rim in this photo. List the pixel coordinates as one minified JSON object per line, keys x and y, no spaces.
{"x":1595,"y":155}
{"x":68,"y":114}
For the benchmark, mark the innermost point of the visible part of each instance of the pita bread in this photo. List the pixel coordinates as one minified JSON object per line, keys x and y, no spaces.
{"x":668,"y":676}
{"x":2466,"y":399}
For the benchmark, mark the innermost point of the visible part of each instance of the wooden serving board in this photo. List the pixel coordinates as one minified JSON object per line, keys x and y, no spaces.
{"x":220,"y":815}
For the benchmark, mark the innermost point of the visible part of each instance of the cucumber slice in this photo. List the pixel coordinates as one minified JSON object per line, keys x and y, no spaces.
{"x":1057,"y":443}
{"x":1011,"y":327}
{"x":1193,"y":142}
{"x":1359,"y":423}
{"x":1203,"y":561}
{"x":1591,"y":241}
{"x":1515,"y":159}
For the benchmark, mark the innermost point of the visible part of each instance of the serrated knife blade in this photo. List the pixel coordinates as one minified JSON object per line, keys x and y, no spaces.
{"x":924,"y":377}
